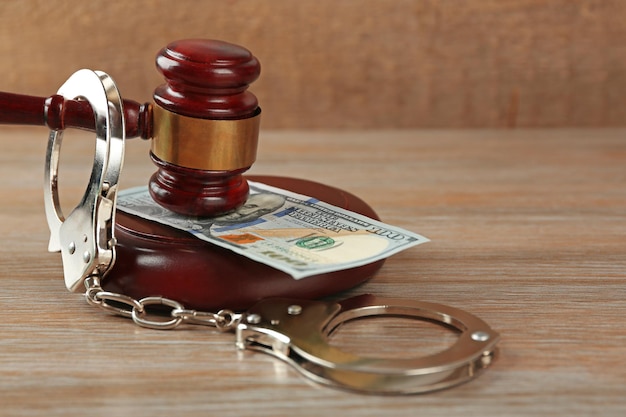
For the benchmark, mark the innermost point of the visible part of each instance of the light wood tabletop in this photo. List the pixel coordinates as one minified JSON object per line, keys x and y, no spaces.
{"x":527,"y":229}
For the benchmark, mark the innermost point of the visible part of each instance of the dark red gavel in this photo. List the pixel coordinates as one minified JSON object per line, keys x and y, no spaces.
{"x":204,"y":129}
{"x":203,"y":123}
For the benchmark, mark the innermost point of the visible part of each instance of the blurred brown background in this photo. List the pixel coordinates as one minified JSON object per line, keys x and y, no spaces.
{"x":359,"y":64}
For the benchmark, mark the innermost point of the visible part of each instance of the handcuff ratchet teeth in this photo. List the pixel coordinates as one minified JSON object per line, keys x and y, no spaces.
{"x":296,"y":331}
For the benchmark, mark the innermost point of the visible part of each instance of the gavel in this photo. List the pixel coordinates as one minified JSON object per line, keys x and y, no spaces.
{"x":204,"y":124}
{"x":204,"y":127}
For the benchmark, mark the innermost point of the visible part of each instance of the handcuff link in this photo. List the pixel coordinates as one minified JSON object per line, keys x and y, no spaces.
{"x":295,"y":331}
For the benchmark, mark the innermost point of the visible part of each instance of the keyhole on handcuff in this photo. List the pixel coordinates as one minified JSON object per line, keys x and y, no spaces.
{"x":393,"y":337}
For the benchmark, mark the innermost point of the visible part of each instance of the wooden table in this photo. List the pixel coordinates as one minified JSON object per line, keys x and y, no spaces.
{"x":528,"y":232}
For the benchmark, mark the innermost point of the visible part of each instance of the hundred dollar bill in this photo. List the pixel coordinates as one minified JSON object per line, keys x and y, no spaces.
{"x":296,"y":234}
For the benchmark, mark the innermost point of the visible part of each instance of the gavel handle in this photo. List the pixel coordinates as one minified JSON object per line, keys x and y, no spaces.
{"x":58,"y":113}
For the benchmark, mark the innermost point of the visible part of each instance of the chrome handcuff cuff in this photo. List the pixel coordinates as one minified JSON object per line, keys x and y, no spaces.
{"x":295,"y":331}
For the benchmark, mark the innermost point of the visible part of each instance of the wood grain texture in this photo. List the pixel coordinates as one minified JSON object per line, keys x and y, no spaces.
{"x":352,"y":63}
{"x":528,"y":232}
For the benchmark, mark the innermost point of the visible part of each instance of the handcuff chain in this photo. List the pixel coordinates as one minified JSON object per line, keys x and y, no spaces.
{"x":137,"y":310}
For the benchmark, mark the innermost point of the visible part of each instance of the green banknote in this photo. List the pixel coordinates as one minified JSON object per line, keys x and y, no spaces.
{"x":296,"y":234}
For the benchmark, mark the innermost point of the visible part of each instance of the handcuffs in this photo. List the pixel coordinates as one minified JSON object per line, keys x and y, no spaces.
{"x":295,"y":331}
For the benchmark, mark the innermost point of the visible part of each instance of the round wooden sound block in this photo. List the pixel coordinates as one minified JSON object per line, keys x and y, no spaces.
{"x":157,"y":260}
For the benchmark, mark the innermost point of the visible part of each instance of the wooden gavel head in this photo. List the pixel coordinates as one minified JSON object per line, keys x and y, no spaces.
{"x":205,"y":126}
